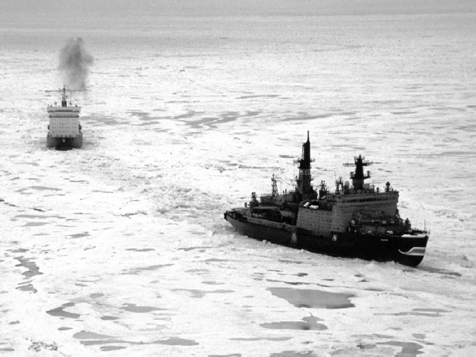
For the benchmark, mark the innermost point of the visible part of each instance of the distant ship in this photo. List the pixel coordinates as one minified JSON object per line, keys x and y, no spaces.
{"x":358,"y":221}
{"x":64,"y":129}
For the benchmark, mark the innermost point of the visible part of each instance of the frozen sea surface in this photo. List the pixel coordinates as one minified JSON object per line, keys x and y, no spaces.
{"x":121,"y":248}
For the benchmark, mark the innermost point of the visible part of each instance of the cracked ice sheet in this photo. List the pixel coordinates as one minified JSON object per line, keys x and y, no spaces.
{"x":121,"y":247}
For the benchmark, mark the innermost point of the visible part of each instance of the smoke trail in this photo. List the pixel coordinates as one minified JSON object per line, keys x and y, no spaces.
{"x":74,"y":64}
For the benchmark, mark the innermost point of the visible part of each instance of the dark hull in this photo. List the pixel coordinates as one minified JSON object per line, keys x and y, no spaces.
{"x":64,"y":143}
{"x":407,"y":249}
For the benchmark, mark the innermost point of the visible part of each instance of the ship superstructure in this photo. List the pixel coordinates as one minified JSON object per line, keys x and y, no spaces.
{"x":64,"y":128}
{"x":354,"y":220}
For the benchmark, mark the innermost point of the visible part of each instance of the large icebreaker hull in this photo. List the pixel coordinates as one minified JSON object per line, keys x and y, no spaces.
{"x":406,"y":249}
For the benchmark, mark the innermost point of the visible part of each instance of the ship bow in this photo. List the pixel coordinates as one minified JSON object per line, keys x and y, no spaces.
{"x":411,"y":248}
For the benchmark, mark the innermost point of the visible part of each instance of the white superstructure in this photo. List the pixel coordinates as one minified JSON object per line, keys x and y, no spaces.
{"x":64,"y":126}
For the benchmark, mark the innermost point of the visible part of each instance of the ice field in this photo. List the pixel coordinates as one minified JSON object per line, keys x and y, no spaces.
{"x":120,"y":248}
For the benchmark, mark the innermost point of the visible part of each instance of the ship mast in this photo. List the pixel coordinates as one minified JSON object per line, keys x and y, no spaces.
{"x":64,"y":96}
{"x":358,"y":177}
{"x":274,"y":187}
{"x":304,"y":187}
{"x":64,"y":103}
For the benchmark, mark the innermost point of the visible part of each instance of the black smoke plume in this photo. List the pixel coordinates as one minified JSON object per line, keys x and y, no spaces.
{"x":74,"y":64}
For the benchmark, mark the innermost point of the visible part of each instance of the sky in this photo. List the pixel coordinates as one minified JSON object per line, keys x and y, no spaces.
{"x":21,"y":8}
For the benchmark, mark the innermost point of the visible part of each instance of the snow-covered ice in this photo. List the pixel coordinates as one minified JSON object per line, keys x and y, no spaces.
{"x":120,"y":248}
